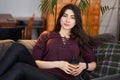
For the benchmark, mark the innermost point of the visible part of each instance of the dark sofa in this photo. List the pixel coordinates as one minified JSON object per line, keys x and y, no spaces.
{"x":108,"y":58}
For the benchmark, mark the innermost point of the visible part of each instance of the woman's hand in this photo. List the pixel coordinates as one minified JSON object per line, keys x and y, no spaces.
{"x":79,"y":68}
{"x":67,"y":67}
{"x":73,"y":69}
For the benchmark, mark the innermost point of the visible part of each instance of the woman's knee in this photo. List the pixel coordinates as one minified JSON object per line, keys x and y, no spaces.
{"x":17,"y":49}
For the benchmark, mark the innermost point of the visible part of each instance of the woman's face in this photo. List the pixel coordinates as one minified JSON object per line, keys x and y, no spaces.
{"x":68,"y":20}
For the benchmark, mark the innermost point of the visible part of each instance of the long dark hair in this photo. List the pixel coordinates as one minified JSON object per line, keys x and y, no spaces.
{"x":77,"y":32}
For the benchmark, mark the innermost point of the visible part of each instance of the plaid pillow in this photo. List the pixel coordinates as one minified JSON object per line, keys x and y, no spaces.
{"x":108,"y":59}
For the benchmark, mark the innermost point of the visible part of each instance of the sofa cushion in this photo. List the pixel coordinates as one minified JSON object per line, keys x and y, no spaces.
{"x":108,"y":62}
{"x":28,"y":43}
{"x":4,"y":45}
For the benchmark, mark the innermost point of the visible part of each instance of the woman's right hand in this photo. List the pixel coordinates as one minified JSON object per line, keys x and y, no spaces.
{"x":66,"y":67}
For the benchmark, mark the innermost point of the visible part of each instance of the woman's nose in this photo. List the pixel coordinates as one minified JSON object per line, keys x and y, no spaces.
{"x":67,"y":19}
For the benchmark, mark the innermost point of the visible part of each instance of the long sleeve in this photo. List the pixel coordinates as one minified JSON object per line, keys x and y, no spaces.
{"x":88,"y":55}
{"x":39,"y":48}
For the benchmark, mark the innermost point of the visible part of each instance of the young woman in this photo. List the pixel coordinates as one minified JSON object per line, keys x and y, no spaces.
{"x":52,"y":52}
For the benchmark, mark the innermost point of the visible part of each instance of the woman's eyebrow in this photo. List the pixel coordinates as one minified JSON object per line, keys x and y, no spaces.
{"x":65,"y":13}
{"x":70,"y":15}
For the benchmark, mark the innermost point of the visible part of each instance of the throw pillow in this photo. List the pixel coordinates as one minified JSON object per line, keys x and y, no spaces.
{"x":108,"y":59}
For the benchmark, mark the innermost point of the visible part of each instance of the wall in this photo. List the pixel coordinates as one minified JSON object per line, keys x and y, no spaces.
{"x":20,"y":8}
{"x":109,"y":22}
{"x":119,"y":20}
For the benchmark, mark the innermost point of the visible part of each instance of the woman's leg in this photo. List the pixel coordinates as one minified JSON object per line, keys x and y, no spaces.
{"x":16,"y":53}
{"x":22,"y":71}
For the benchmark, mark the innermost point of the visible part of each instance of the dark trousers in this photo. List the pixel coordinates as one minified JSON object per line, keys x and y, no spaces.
{"x":18,"y":64}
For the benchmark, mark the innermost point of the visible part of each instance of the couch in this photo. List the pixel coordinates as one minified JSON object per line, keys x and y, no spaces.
{"x":108,"y":58}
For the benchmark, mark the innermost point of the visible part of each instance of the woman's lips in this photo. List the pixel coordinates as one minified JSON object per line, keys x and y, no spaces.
{"x":67,"y":24}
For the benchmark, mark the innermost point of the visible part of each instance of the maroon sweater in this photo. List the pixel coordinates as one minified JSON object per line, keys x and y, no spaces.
{"x":55,"y":50}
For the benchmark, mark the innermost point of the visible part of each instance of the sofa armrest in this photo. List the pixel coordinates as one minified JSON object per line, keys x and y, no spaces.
{"x":4,"y":45}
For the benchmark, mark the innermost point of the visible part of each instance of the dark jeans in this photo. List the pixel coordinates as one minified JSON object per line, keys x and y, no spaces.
{"x":18,"y":64}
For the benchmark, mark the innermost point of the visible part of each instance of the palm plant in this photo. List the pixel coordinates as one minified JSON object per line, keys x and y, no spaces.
{"x":47,"y":6}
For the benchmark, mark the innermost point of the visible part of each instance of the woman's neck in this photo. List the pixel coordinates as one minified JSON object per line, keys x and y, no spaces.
{"x":65,"y":33}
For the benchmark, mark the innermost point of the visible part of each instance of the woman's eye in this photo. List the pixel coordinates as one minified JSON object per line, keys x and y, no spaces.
{"x":64,"y":15}
{"x":73,"y":17}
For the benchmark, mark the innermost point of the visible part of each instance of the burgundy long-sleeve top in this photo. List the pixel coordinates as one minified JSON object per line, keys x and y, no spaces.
{"x":55,"y":50}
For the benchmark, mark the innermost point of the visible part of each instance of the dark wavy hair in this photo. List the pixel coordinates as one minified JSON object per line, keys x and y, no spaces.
{"x":77,"y":32}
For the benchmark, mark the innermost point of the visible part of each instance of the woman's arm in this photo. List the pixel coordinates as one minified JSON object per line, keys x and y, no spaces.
{"x":88,"y":66}
{"x":63,"y":65}
{"x":46,"y":64}
{"x":91,"y":66}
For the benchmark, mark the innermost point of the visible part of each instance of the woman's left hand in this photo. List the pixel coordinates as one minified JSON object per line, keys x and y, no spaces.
{"x":79,"y":68}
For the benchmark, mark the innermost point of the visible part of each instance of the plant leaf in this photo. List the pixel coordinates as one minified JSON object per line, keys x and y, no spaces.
{"x":54,"y":2}
{"x":104,"y":9}
{"x":83,"y":5}
{"x":45,"y":7}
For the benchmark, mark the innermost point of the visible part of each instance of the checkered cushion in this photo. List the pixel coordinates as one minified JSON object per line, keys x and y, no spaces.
{"x":108,"y":59}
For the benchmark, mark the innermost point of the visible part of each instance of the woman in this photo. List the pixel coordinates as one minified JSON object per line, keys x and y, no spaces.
{"x":52,"y":52}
